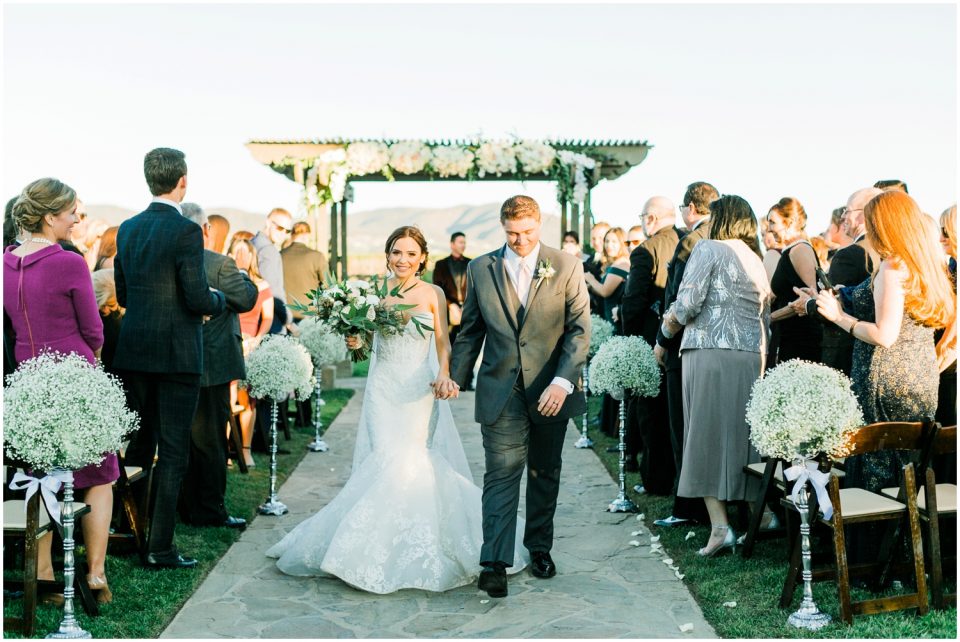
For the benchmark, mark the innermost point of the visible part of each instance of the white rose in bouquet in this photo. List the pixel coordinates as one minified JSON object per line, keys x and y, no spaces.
{"x":452,"y":161}
{"x":372,"y":299}
{"x":535,"y":157}
{"x":496,"y":158}
{"x":367,"y":157}
{"x":409,"y":156}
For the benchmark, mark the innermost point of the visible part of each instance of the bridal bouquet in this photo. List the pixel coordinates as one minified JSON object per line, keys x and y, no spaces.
{"x":325,"y":346}
{"x":357,"y":308}
{"x":61,"y":411}
{"x":278,"y":367}
{"x":625,"y":363}
{"x":801,"y":409}
{"x":600,"y":331}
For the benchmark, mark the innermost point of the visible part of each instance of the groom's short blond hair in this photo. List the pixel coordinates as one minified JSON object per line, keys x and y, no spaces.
{"x":517,"y":207}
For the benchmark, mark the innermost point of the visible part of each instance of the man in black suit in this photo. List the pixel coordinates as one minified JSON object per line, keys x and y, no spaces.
{"x":641,"y":313}
{"x":695,"y":211}
{"x":162,"y":284}
{"x":205,"y":483}
{"x":451,"y":275}
{"x":849,"y":267}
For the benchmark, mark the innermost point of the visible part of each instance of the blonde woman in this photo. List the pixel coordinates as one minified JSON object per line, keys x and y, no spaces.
{"x":615,"y":265}
{"x":893,"y":317}
{"x":947,"y":408}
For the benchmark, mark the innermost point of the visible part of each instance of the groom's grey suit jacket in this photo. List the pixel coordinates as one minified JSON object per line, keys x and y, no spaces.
{"x":550,"y":339}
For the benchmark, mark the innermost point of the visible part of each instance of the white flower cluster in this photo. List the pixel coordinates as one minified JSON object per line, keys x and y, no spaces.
{"x":625,"y":363}
{"x":452,"y":161}
{"x":278,"y":367}
{"x":409,"y":156}
{"x":329,"y":172}
{"x":367,"y":158}
{"x":64,"y":412}
{"x":579,"y":164}
{"x":325,"y":347}
{"x":801,"y":409}
{"x":600,"y":331}
{"x":535,"y":157}
{"x":496,"y":158}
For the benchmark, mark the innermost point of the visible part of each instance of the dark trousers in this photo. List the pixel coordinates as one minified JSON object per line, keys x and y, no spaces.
{"x":205,"y":483}
{"x":837,"y":354}
{"x":165,"y":404}
{"x":683,"y":507}
{"x":509,"y":443}
{"x":454,"y":331}
{"x":656,"y":464}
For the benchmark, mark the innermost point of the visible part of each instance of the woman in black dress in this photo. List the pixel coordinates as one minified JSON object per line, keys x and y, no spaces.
{"x":798,"y":337}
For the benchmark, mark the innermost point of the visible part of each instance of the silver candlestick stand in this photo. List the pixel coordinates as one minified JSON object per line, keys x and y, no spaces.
{"x":808,"y":616}
{"x":622,"y":503}
{"x":584,"y":441}
{"x":69,"y":627}
{"x":273,"y":506}
{"x":318,"y":445}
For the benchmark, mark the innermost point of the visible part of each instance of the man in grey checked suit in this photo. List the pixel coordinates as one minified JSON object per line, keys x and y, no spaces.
{"x":527,"y":385}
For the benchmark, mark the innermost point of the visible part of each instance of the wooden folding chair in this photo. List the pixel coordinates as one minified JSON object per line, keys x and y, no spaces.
{"x":857,"y":506}
{"x":132,"y":523}
{"x":936,"y":501}
{"x":30,"y":534}
{"x":235,"y":439}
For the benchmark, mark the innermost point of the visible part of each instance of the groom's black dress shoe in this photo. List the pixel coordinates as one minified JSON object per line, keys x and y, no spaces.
{"x":171,"y":561}
{"x":541,"y":565}
{"x":493,"y":580}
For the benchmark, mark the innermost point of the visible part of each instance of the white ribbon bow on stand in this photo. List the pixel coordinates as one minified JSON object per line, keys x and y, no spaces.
{"x":810,"y":471}
{"x":48,"y":486}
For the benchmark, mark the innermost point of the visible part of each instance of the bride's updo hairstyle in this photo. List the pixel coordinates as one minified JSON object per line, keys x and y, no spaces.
{"x":41,"y":197}
{"x":409,"y":232}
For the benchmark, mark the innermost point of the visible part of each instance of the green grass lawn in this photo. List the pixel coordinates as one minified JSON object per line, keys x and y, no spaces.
{"x":755,"y":584}
{"x":146,"y":600}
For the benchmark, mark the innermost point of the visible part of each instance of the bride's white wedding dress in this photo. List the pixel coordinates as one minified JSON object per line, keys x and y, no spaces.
{"x":409,"y":516}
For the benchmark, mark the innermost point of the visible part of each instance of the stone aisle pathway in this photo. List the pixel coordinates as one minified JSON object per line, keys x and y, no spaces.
{"x":605,"y":588}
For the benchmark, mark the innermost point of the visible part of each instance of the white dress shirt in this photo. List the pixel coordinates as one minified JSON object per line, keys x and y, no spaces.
{"x":522,"y":280}
{"x":167,"y":201}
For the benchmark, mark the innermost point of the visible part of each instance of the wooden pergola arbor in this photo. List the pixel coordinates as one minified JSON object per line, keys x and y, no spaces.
{"x":301,"y":161}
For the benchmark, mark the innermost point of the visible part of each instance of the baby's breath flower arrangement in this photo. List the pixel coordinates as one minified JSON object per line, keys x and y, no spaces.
{"x":600,"y":331}
{"x":61,"y":411}
{"x":324,"y":346}
{"x":625,"y":363}
{"x":278,"y":367}
{"x":801,"y":409}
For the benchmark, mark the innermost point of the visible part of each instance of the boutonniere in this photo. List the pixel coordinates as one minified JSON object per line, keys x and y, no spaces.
{"x":544,"y":271}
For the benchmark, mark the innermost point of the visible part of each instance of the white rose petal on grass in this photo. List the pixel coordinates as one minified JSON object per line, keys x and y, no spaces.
{"x":668,"y":561}
{"x":674,"y":568}
{"x":654,"y":538}
{"x":686,"y":628}
{"x":634,"y":542}
{"x":690,"y":535}
{"x":679,"y":575}
{"x":640,"y":517}
{"x":635,"y":533}
{"x":484,"y":601}
{"x":730,"y":605}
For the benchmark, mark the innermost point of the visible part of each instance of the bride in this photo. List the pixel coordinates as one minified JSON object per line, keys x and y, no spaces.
{"x":409,"y":516}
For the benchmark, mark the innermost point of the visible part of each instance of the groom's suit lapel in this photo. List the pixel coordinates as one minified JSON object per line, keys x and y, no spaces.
{"x":508,"y":297}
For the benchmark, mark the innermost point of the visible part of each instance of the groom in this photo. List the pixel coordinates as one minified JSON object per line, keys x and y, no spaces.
{"x":530,"y":303}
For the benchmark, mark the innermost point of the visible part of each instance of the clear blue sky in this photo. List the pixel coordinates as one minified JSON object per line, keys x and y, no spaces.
{"x":812,"y":101}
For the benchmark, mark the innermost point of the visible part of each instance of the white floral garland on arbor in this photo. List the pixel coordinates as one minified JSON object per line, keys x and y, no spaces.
{"x":326,"y":178}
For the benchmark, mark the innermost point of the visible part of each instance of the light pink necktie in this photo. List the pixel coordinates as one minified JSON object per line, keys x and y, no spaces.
{"x":524,"y":277}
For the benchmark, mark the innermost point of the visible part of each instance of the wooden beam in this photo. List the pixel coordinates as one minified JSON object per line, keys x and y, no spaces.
{"x":587,"y":217}
{"x":334,"y":245}
{"x":343,"y":238}
{"x":563,"y":221}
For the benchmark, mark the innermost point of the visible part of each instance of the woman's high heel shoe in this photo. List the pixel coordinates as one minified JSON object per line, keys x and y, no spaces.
{"x":729,"y":541}
{"x":100,"y":588}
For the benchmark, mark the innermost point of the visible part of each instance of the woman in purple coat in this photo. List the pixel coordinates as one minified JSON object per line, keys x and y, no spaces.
{"x":48,"y":295}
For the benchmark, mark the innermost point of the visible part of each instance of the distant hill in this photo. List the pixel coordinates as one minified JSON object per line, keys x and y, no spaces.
{"x":368,"y":230}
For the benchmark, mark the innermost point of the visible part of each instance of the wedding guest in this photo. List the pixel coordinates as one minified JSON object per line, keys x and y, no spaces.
{"x":205,"y":482}
{"x":48,"y":295}
{"x":10,"y":231}
{"x":111,"y":314}
{"x":219,"y":229}
{"x":849,"y":267}
{"x":822,"y":250}
{"x":106,"y":249}
{"x":724,"y":302}
{"x":616,"y":265}
{"x":254,"y":325}
{"x":835,"y":235}
{"x":797,"y":337}
{"x":892,"y":184}
{"x":161,"y":283}
{"x":571,"y":245}
{"x":947,"y":405}
{"x":593,"y":264}
{"x":10,"y":234}
{"x":95,"y":231}
{"x":276,"y":230}
{"x":240,"y":235}
{"x":304,"y":269}
{"x":635,"y":237}
{"x":648,"y":423}
{"x":695,"y":212}
{"x":771,"y":247}
{"x":75,"y":242}
{"x":450,"y":274}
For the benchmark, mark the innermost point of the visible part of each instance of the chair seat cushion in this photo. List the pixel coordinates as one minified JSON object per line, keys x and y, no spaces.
{"x":758,"y":468}
{"x":946,"y":497}
{"x":133,"y":473}
{"x":856,"y":502}
{"x":15,"y":515}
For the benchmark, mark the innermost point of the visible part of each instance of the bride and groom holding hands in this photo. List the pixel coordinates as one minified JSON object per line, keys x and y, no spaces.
{"x":410,"y":515}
